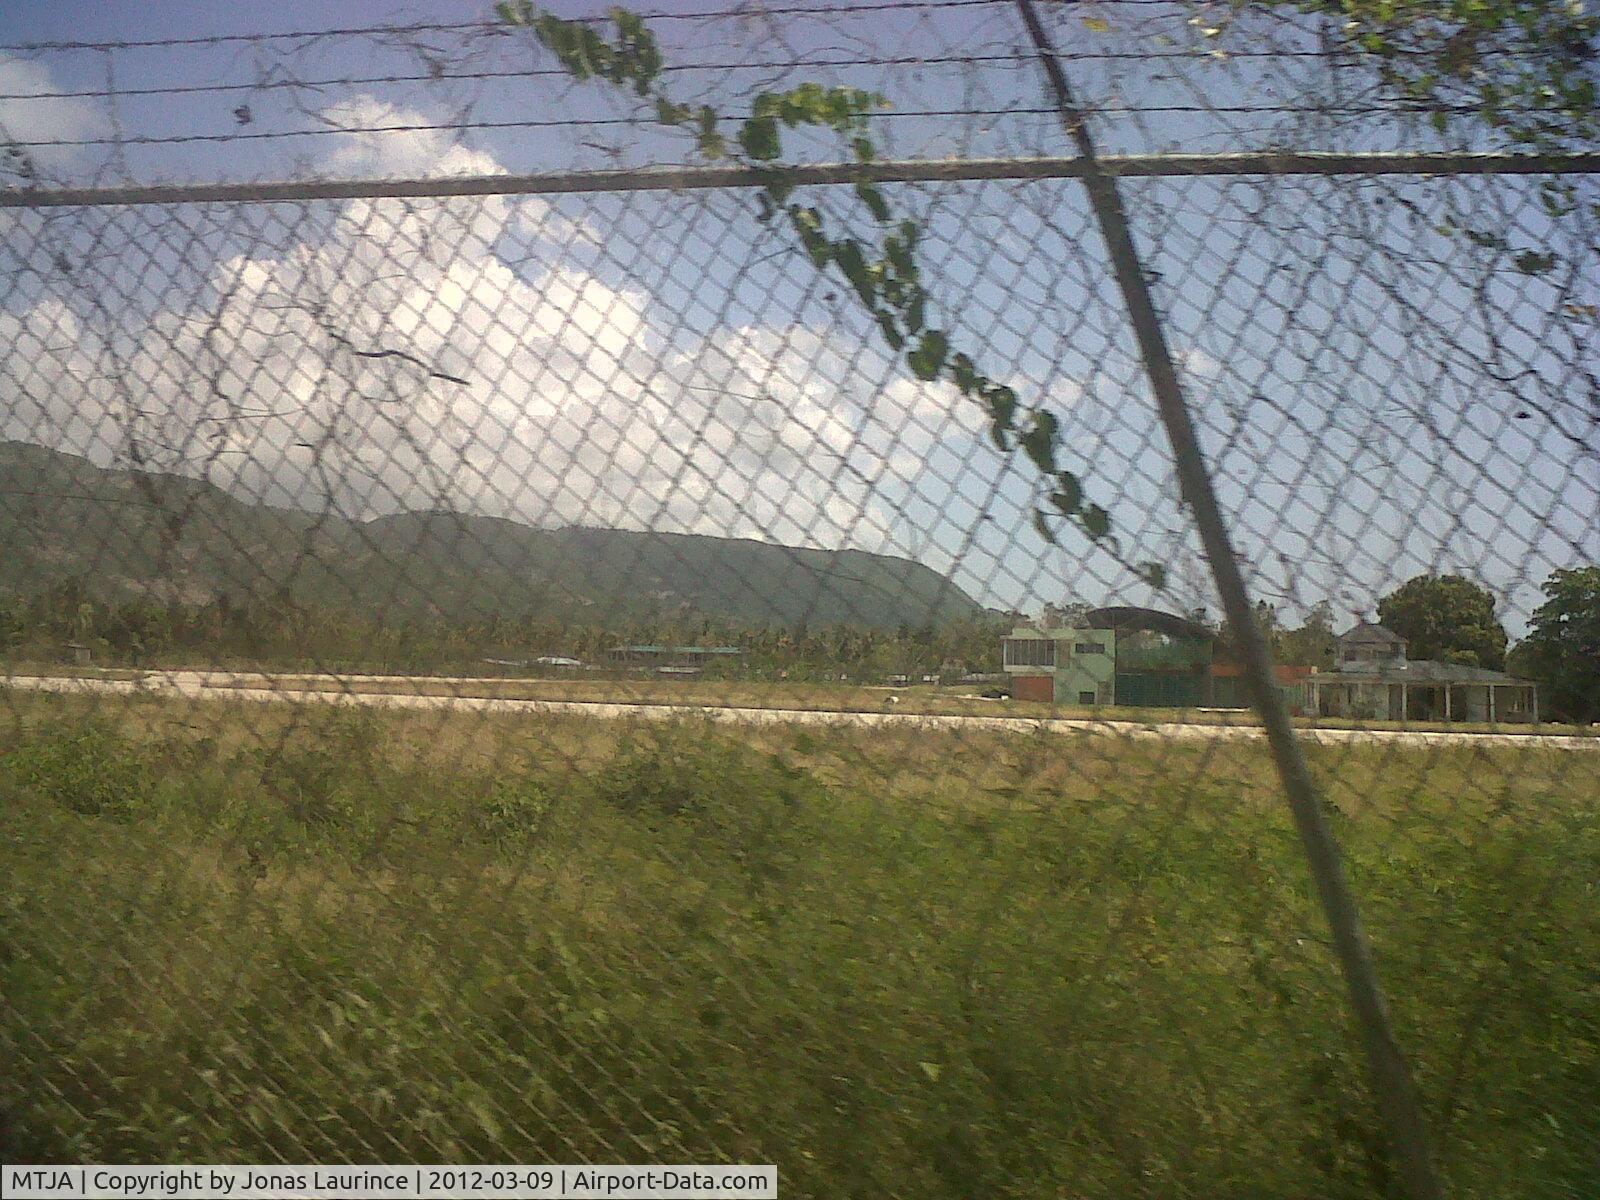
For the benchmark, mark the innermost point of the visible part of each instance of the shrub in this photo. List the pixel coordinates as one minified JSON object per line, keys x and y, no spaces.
{"x":692,"y":771}
{"x":323,"y":775}
{"x":87,"y":768}
{"x":518,"y":806}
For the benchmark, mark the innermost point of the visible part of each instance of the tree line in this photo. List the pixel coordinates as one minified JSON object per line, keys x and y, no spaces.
{"x":1445,"y":618}
{"x":283,"y":631}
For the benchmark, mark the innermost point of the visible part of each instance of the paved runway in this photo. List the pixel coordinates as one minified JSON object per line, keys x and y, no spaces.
{"x":282,"y":689}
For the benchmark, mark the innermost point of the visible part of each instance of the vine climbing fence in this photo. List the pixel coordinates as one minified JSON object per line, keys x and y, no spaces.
{"x":597,"y":616}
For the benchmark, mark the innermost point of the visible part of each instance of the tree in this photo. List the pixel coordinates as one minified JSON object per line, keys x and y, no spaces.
{"x":1562,"y":649}
{"x":1075,"y":612}
{"x":1524,"y":68}
{"x":1446,"y":618}
{"x":1522,"y":75}
{"x":1313,"y":644}
{"x":1267,"y":622}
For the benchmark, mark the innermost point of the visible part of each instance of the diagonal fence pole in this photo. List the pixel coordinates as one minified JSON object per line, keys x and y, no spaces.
{"x":1391,"y":1077}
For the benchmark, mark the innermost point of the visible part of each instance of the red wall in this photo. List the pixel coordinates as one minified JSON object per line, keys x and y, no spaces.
{"x":1033,"y":687}
{"x":1285,"y":673}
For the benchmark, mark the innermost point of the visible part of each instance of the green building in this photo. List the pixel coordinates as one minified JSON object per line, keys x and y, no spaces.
{"x":1062,"y":666}
{"x":1137,"y":657}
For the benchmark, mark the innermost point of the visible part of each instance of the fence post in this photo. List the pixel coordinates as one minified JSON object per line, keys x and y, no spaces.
{"x":1391,"y":1076}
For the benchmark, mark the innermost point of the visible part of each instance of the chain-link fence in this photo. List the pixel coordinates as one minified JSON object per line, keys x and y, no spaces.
{"x":513,"y":653}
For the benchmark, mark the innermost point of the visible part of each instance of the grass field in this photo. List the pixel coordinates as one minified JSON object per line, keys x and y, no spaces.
{"x":893,"y":962}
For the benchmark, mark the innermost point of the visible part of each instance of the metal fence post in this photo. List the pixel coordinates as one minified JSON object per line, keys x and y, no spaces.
{"x":1396,"y":1091}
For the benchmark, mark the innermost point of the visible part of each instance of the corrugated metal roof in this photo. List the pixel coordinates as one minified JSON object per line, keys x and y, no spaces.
{"x":1415,"y":671}
{"x":1371,"y":631}
{"x":1120,"y":617}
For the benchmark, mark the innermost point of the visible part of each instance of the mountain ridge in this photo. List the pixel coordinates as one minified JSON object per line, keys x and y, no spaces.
{"x":164,"y":536}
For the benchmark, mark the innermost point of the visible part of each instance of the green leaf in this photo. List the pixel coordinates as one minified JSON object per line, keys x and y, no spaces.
{"x":927,"y":360}
{"x":891,"y":332}
{"x":558,"y":37}
{"x":1096,"y":521}
{"x":1154,"y":574}
{"x":1042,"y":524}
{"x":759,"y":137}
{"x":1557,"y":198}
{"x":808,"y":224}
{"x":1040,"y":442}
{"x":1530,"y":262}
{"x":847,"y":253}
{"x":598,"y":55}
{"x":932,"y":1070}
{"x":629,"y":24}
{"x":1068,"y":496}
{"x":647,"y":67}
{"x":711,"y":143}
{"x":669,"y":113}
{"x":914,"y":310}
{"x":780,"y":188}
{"x":1000,"y":435}
{"x":1001,"y":402}
{"x":897,"y":253}
{"x":964,"y":373}
{"x":872,"y":196}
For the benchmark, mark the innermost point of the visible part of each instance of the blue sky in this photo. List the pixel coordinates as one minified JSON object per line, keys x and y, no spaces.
{"x":1357,"y":373}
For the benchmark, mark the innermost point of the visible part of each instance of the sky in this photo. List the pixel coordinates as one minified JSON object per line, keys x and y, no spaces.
{"x":664,"y":360}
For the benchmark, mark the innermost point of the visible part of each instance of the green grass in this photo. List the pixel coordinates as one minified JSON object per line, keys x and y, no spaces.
{"x":892,"y":962}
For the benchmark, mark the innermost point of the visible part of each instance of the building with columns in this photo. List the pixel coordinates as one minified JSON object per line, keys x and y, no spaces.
{"x":1374,"y":680}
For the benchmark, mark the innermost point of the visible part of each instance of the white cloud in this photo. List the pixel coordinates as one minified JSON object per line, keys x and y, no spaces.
{"x":391,"y":358}
{"x":381,"y":141}
{"x":1198,"y":363}
{"x":51,"y":117}
{"x":550,"y":219}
